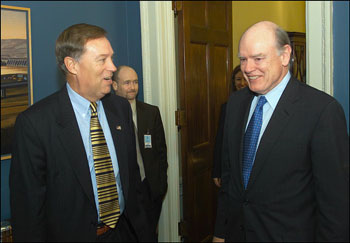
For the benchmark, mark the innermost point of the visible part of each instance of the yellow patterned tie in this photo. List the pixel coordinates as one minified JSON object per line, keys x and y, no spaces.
{"x":106,"y":186}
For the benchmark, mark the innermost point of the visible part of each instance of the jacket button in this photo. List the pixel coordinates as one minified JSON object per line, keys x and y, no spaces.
{"x":246,"y":201}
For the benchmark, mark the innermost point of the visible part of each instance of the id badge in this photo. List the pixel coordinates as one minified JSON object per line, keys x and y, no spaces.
{"x":148,"y":141}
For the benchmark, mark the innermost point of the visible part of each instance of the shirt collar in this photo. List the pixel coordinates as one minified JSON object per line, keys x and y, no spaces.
{"x":81,"y":104}
{"x":275,"y":94}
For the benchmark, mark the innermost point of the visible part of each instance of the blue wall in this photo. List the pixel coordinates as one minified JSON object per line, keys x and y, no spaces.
{"x":341,"y":54}
{"x":48,"y":19}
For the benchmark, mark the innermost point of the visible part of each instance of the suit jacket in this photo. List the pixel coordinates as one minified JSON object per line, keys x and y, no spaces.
{"x":299,"y":185}
{"x":51,"y":192}
{"x":155,"y":162}
{"x":216,"y":172}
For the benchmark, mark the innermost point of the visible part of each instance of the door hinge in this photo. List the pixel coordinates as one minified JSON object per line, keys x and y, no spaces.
{"x":180,"y":118}
{"x":183,"y":229}
{"x":177,"y":7}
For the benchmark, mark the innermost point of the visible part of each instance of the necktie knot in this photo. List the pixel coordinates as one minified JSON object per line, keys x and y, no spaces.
{"x":93,"y":107}
{"x":261,"y":102}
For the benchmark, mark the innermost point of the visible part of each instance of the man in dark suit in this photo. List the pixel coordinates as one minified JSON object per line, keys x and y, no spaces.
{"x":54,"y":191}
{"x":151,"y":145}
{"x":285,"y":152}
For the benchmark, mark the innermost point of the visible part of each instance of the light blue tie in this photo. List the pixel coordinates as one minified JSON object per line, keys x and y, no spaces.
{"x":251,"y":139}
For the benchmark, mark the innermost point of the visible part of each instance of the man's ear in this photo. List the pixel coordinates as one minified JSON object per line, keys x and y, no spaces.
{"x":286,"y":55}
{"x":70,"y":64}
{"x":115,"y":85}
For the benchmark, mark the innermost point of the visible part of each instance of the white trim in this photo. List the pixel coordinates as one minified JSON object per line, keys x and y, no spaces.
{"x":159,"y":83}
{"x":319,"y":45}
{"x":145,"y":39}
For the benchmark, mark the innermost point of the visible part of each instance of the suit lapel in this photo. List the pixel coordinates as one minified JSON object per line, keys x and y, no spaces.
{"x":118,"y":130}
{"x":71,"y":141}
{"x":279,"y":120}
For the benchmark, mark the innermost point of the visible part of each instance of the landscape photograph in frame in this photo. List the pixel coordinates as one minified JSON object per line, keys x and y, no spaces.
{"x":16,"y":71}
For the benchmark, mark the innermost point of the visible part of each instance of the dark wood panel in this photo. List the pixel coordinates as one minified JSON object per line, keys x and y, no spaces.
{"x":202,"y":204}
{"x":197,"y":13}
{"x":217,"y":22}
{"x":197,"y":107}
{"x":219,"y":75}
{"x":205,"y":54}
{"x":205,"y":35}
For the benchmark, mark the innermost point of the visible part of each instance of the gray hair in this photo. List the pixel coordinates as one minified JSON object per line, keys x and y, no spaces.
{"x":71,"y":42}
{"x":282,"y":39}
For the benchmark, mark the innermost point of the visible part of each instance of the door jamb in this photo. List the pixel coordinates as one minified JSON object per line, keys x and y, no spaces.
{"x":319,"y":55}
{"x":159,"y":83}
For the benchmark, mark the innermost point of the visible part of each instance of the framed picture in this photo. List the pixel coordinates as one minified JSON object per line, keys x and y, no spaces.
{"x":16,"y":71}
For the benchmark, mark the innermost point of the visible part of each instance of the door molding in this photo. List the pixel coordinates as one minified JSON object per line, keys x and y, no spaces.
{"x":159,"y":84}
{"x":319,"y":55}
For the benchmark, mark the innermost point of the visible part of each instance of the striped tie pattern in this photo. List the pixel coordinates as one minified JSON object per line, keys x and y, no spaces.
{"x":106,"y":185}
{"x":251,"y":140}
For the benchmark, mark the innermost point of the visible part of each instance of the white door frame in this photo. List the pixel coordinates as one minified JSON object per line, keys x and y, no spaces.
{"x":159,"y":82}
{"x":319,"y":32}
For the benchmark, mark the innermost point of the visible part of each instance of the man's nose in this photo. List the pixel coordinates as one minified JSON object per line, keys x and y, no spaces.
{"x":249,"y":66}
{"x":111,"y":66}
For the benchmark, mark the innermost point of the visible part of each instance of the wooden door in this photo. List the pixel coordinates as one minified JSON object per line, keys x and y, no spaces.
{"x":205,"y":54}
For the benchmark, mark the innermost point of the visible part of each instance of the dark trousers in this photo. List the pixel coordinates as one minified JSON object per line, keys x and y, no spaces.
{"x":123,"y":232}
{"x":156,"y":210}
{"x":153,"y":206}
{"x":156,"y":214}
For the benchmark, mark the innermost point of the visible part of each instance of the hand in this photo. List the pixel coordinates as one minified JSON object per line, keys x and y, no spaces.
{"x":217,"y":181}
{"x":217,"y":239}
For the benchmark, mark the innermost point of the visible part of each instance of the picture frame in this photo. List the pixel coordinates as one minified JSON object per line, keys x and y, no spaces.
{"x":16,"y":71}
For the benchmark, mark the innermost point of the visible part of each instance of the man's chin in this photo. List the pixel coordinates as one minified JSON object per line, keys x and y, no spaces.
{"x":105,"y":92}
{"x":131,"y":97}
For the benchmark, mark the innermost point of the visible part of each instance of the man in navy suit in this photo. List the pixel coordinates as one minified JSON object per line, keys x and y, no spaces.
{"x":298,"y":186}
{"x":53,"y":188}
